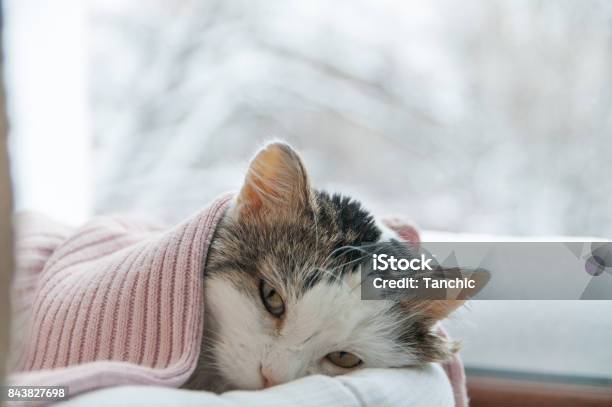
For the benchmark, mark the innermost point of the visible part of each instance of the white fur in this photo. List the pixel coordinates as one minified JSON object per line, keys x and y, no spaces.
{"x":325,"y":319}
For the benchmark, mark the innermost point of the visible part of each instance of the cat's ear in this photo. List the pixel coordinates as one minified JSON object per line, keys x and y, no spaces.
{"x":437,"y":309}
{"x":275,"y":182}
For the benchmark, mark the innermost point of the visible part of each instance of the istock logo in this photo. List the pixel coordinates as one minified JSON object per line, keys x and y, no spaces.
{"x":383,"y":262}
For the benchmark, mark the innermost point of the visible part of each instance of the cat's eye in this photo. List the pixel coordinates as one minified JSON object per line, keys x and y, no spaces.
{"x":271,"y":299}
{"x":344,"y":360}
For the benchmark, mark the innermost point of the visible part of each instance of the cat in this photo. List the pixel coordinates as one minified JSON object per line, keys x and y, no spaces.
{"x":282,"y":296}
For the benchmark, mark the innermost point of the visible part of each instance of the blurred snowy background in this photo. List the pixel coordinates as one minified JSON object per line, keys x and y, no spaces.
{"x":482,"y":116}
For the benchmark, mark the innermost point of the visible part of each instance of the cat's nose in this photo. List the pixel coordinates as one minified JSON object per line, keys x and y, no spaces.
{"x":267,"y":378}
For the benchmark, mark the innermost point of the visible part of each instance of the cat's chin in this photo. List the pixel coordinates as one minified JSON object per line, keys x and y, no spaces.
{"x":210,"y":381}
{"x":218,"y":385}
{"x":213,"y":380}
{"x":240,"y":384}
{"x":221,"y":386}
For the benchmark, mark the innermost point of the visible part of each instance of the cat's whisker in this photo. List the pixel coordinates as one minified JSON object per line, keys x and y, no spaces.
{"x":332,"y":276}
{"x":349,"y":248}
{"x":329,"y":259}
{"x":357,"y":260}
{"x":317,"y":238}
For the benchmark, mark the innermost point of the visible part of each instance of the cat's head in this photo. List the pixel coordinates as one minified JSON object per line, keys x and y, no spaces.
{"x":282,"y":285}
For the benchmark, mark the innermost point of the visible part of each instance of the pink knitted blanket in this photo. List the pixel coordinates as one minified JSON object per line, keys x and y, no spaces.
{"x":115,"y":302}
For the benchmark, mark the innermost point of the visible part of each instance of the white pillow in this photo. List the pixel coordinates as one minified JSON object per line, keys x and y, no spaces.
{"x":428,"y":386}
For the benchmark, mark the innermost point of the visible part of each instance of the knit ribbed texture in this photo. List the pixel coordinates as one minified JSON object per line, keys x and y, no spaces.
{"x":116,"y":299}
